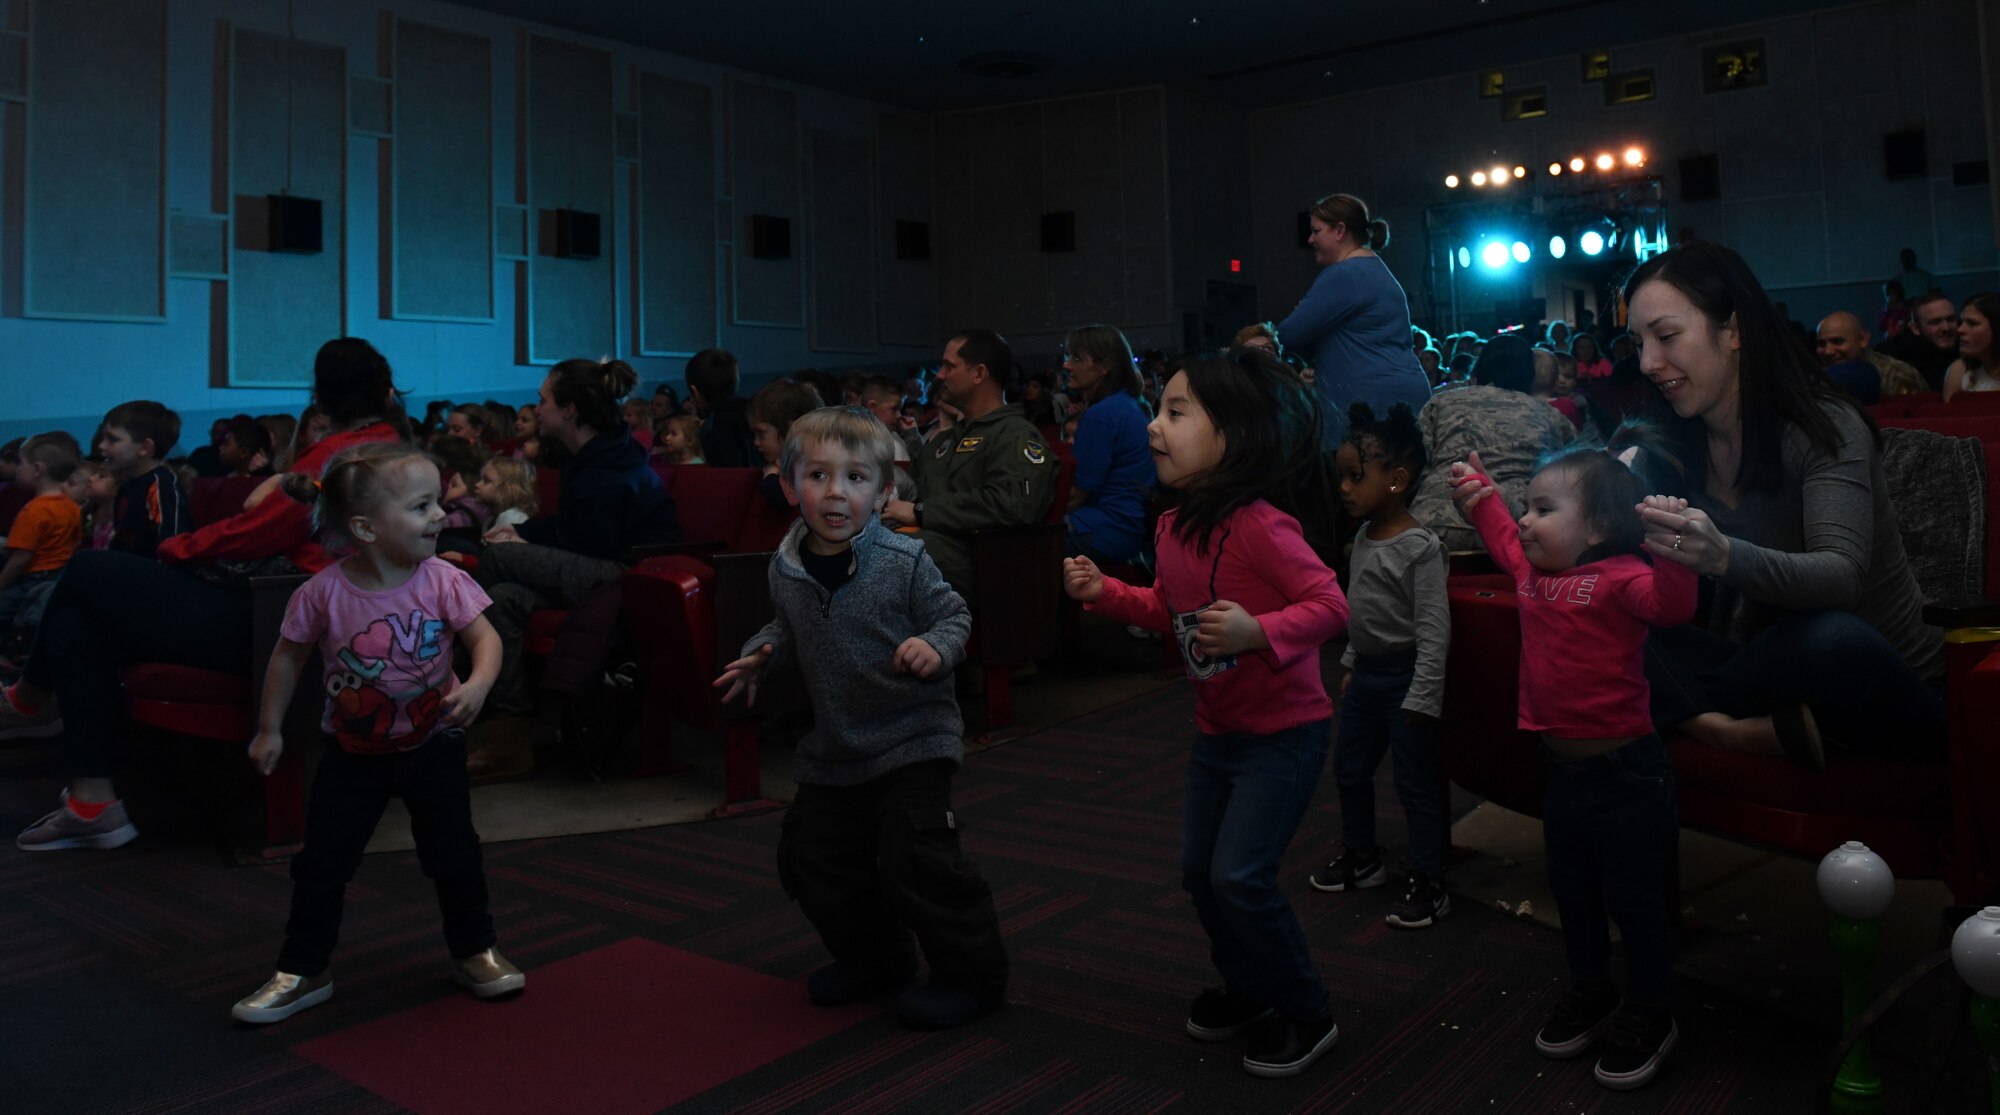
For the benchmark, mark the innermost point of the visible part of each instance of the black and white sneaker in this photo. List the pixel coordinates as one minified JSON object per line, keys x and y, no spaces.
{"x":1281,"y":1047}
{"x":1351,"y":870}
{"x":1573,"y":1025}
{"x":1219,"y":1014}
{"x":1423,"y":902}
{"x":1635,"y":1042}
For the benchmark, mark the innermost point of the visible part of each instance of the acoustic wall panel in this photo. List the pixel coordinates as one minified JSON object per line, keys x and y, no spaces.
{"x":842,"y":264}
{"x":287,"y":135}
{"x":676,"y":214}
{"x":441,"y":232}
{"x":908,"y":308}
{"x":13,"y":65}
{"x":764,"y":177}
{"x":370,"y":106}
{"x":197,"y":246}
{"x":96,"y":189}
{"x":572,"y":302}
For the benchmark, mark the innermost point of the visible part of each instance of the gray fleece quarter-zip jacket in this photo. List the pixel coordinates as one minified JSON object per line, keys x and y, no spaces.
{"x":868,"y":719}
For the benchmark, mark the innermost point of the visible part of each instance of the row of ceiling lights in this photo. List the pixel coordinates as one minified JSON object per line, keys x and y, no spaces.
{"x":1499,"y":174}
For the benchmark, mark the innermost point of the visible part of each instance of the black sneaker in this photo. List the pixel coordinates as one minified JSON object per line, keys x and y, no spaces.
{"x":1423,"y":902}
{"x":1572,"y":1026}
{"x":1635,"y":1042}
{"x":837,"y":985}
{"x":1219,"y":1014}
{"x":1351,"y":870}
{"x":1281,"y":1047}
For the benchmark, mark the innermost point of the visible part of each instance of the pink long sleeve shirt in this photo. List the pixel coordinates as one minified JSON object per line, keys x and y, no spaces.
{"x":1257,"y":558}
{"x":1583,"y":632}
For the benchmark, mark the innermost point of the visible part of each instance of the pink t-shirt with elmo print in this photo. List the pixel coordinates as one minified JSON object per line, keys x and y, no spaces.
{"x":386,"y":655}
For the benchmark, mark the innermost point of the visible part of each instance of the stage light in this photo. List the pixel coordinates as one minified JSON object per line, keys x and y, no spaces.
{"x":1634,"y":156}
{"x":1493,"y":255}
{"x":1464,"y":258}
{"x":1605,"y":161}
{"x":1557,"y":247}
{"x":1479,"y":178}
{"x":1451,"y":181}
{"x":1521,"y":252}
{"x":1520,"y":171}
{"x":1591,"y":242}
{"x":1576,"y":164}
{"x":1555,"y":169}
{"x":1497,"y":175}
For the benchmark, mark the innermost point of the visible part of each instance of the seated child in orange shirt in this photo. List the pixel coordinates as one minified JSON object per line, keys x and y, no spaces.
{"x":47,"y":530}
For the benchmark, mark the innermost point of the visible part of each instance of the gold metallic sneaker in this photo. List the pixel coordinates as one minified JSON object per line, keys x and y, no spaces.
{"x":488,"y":974}
{"x":282,"y":996}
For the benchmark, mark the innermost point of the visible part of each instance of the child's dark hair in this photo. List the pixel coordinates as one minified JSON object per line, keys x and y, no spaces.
{"x":145,"y":420}
{"x":1396,"y":441}
{"x":11,"y":452}
{"x":1271,"y":424}
{"x":1608,"y":491}
{"x":351,"y":482}
{"x":459,"y":457}
{"x":783,"y":402}
{"x":57,"y":453}
{"x":595,"y":388}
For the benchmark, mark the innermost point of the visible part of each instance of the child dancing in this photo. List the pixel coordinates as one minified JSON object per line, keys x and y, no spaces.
{"x":1237,"y":441}
{"x":1609,"y":823}
{"x":1393,"y":693}
{"x":383,"y":620}
{"x":870,"y":846}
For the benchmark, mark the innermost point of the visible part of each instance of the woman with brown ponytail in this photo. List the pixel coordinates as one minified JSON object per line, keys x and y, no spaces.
{"x":611,"y":501}
{"x":1353,"y":325}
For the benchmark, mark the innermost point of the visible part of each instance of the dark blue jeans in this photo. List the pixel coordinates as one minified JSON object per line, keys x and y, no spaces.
{"x":1245,"y":795}
{"x":1864,"y":696}
{"x":1609,"y":825}
{"x":1372,"y":721}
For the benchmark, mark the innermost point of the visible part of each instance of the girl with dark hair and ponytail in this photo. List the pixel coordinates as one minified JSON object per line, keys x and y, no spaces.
{"x":1354,"y":322}
{"x":1243,"y":590}
{"x":611,"y":501}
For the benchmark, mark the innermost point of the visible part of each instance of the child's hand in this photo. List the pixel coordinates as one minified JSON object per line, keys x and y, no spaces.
{"x":1467,"y":489}
{"x":917,"y":657}
{"x":502,"y":534}
{"x":462,"y":707}
{"x":1664,"y":503}
{"x":1224,"y":628}
{"x":743,"y":673}
{"x":1082,"y":579}
{"x":265,"y":751}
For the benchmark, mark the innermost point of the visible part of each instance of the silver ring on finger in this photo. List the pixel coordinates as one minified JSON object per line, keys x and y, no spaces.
{"x":1677,"y":542}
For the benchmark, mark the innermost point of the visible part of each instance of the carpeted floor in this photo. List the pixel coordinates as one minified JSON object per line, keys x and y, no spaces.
{"x":644,"y":949}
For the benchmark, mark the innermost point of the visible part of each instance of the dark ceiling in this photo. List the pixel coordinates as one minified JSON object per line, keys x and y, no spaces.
{"x":918,"y":53}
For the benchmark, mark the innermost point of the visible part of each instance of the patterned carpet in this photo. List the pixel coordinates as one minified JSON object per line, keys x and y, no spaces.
{"x":117,"y":970}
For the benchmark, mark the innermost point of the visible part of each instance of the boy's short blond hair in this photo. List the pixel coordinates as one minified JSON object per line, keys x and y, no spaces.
{"x":853,"y":428}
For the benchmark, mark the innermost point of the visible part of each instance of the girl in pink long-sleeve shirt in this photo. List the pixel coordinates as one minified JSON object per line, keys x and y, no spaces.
{"x":1237,"y":438}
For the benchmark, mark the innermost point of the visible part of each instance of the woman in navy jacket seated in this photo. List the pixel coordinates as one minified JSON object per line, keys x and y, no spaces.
{"x":1114,"y":462}
{"x":611,"y":501}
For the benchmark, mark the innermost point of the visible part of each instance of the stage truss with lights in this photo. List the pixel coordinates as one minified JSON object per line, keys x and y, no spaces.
{"x":1587,"y":220}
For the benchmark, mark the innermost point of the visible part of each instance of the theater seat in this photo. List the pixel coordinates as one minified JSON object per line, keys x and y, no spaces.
{"x":540,"y":638}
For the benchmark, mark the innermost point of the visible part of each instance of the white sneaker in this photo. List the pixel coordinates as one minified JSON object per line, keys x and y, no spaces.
{"x":64,"y":829}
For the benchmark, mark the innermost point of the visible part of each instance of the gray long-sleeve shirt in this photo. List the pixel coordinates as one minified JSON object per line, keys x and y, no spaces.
{"x":868,"y":719}
{"x":1396,"y":600}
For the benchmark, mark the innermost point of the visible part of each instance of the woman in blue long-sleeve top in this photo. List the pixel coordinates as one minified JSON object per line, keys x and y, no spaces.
{"x":1354,"y":322}
{"x":1114,"y":462}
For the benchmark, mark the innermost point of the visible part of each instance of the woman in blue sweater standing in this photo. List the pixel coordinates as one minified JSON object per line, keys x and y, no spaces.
{"x":1114,"y":463}
{"x":1354,"y":322}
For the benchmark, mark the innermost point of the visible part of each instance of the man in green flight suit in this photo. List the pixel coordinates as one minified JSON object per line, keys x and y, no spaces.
{"x":985,"y":466}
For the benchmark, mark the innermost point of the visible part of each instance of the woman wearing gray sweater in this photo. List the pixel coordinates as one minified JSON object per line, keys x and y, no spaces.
{"x":1815,"y":618}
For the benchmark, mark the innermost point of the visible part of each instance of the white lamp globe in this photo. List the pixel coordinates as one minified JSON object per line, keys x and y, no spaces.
{"x":1975,"y":952}
{"x":1855,"y":883}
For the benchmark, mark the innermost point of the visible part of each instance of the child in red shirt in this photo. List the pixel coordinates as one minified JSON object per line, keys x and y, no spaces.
{"x":1609,"y":823}
{"x":1238,"y":438}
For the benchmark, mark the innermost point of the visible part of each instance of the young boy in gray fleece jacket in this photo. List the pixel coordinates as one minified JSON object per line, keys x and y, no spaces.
{"x":870,"y":845}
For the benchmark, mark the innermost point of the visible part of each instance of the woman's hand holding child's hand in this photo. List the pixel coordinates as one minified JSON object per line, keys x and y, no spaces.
{"x":1684,"y":535}
{"x":743,"y":674}
{"x":1467,"y":485}
{"x":502,"y":534}
{"x":1082,"y":579}
{"x":462,"y":707}
{"x":265,"y":750}
{"x":918,"y":657}
{"x":1224,"y":628}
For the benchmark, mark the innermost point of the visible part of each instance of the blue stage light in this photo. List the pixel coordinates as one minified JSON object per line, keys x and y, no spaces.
{"x":1521,"y":252}
{"x":1591,"y":242}
{"x":1494,"y":254}
{"x":1557,"y":247}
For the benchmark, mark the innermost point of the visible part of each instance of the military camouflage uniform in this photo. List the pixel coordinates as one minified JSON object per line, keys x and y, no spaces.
{"x":993,"y":471}
{"x":1898,"y":378}
{"x":1509,"y":430}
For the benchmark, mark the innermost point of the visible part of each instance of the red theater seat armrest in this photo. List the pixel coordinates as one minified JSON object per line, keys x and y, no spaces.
{"x":1970,"y":613}
{"x":1470,"y":563}
{"x":637,"y":554}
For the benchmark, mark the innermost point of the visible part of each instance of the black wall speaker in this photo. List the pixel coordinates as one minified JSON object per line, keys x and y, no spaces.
{"x":1977,"y":172}
{"x":913,"y":240}
{"x":768,"y":237}
{"x":1701,"y":178}
{"x":278,"y":223}
{"x":1904,"y":155}
{"x":568,"y":233}
{"x":1059,"y":231}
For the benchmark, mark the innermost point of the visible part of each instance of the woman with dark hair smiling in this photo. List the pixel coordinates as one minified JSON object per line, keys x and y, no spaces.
{"x":1816,"y":619}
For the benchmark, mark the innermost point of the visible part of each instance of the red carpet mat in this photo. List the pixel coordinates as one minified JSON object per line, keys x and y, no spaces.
{"x":632,"y":1027}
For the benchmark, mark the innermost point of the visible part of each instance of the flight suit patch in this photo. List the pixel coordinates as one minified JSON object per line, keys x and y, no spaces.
{"x":1035,"y":453}
{"x":970,"y":444}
